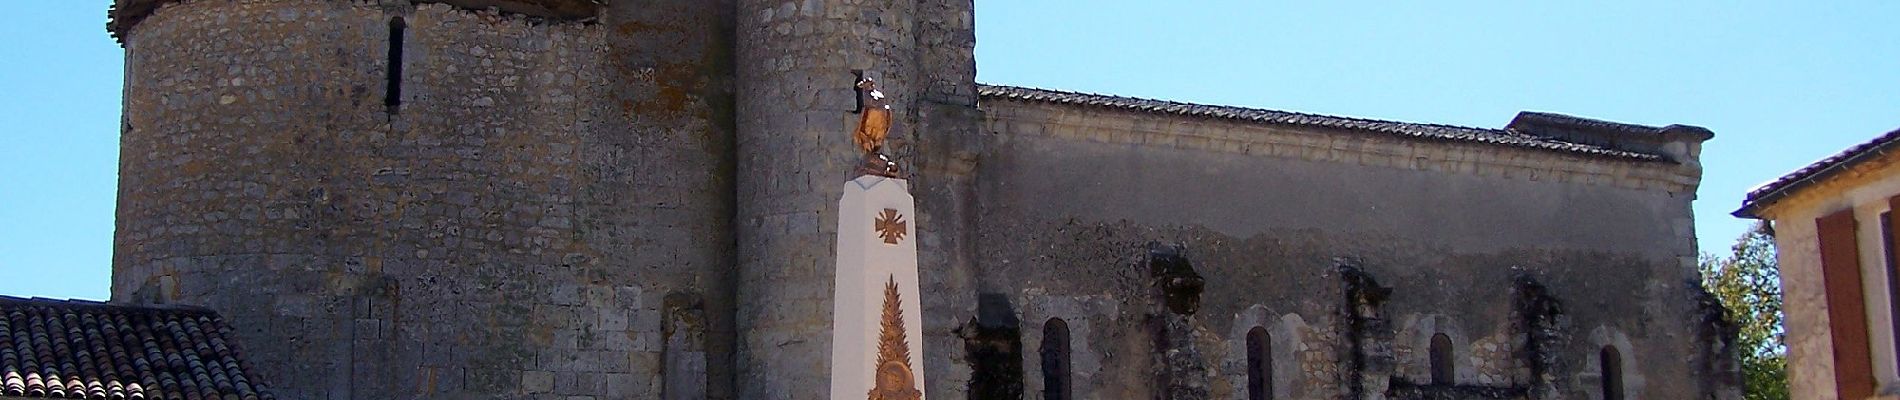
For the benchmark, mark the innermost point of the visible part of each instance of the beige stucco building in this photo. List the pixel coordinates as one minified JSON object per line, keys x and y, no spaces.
{"x":1833,"y":225}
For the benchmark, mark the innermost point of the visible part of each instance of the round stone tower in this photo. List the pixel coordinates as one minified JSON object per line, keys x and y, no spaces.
{"x":437,"y":199}
{"x":797,"y":63}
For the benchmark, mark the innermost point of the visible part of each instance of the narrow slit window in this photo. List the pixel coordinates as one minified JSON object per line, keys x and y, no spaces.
{"x":1055,"y":360}
{"x":392,"y":91}
{"x":1259,"y":364}
{"x":1442,"y":371}
{"x":1612,"y":368}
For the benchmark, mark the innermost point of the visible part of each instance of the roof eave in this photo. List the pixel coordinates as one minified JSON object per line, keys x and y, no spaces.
{"x":1755,"y":203}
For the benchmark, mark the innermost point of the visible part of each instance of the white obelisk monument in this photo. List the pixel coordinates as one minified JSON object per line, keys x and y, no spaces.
{"x":876,"y":318}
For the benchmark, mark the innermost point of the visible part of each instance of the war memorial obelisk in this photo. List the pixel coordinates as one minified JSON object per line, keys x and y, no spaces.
{"x":876,"y":316}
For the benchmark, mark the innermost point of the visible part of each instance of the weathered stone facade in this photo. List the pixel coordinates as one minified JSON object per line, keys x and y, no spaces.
{"x":534,"y":219}
{"x":1270,"y":212}
{"x":641,"y":203}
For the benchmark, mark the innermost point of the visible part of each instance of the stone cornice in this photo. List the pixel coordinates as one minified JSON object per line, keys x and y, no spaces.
{"x":124,"y":14}
{"x":1106,"y":125}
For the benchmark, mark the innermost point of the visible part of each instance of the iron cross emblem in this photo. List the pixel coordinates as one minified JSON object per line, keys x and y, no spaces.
{"x":890,"y":226}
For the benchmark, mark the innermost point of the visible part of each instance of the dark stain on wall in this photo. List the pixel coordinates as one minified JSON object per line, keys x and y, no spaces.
{"x":993,"y":343}
{"x":1540,"y":317}
{"x":1369,"y":332}
{"x":1180,"y":287}
{"x":1177,"y":289}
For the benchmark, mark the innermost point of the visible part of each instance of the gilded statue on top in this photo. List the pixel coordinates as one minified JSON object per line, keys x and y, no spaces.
{"x":874,"y":125}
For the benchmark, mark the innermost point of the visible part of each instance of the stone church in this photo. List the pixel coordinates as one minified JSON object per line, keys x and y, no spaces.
{"x":585,"y":199}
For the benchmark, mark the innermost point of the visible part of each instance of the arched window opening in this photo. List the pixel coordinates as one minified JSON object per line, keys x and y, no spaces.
{"x":1055,"y":360}
{"x":1442,"y":371}
{"x":1259,"y":364}
{"x":392,"y":91}
{"x":1612,"y":367}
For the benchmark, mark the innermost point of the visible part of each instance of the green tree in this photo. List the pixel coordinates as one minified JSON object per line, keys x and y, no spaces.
{"x":1749,"y":284}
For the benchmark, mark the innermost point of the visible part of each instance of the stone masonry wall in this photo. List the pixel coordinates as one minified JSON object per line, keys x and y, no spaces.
{"x":642,"y":205}
{"x":1070,"y":194}
{"x":518,"y":228}
{"x":941,"y":158}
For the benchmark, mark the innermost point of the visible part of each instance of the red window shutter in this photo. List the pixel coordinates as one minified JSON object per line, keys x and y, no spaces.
{"x":1846,"y":306}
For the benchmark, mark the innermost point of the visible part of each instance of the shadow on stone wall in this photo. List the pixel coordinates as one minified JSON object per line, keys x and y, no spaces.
{"x":993,"y":344}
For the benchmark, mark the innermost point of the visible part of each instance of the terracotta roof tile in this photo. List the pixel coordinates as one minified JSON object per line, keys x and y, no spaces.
{"x":1503,"y":137}
{"x":92,"y":350}
{"x":1819,"y":169}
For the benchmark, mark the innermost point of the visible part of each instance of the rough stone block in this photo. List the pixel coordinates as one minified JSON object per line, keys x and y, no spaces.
{"x":535,"y":382}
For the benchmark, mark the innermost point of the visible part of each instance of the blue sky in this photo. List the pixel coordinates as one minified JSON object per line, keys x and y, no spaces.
{"x":1781,"y":84}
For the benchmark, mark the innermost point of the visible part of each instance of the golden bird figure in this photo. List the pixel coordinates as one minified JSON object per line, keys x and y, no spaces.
{"x":874,"y":119}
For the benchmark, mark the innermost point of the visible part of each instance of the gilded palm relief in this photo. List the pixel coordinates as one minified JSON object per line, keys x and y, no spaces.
{"x":894,"y":377}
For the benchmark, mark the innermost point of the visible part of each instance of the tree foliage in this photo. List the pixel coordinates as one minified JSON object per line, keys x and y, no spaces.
{"x":1748,"y":283}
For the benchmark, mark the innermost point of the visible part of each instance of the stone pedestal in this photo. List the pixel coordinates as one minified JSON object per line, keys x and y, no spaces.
{"x":876,"y":322}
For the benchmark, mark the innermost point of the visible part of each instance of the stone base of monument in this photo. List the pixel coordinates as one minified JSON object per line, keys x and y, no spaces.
{"x":876,"y":320}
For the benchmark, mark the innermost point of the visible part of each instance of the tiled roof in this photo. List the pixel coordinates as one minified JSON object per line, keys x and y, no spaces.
{"x":76,"y":349}
{"x":1787,"y":184}
{"x":1502,"y":137}
{"x":1555,"y":120}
